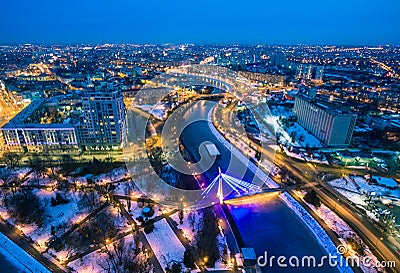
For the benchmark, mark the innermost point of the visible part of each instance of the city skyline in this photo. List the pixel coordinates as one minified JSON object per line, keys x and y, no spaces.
{"x":206,"y":22}
{"x":159,"y":150}
{"x":206,"y":136}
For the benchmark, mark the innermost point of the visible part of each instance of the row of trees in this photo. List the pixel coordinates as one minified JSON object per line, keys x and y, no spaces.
{"x":25,"y":207}
{"x":95,"y":231}
{"x":11,"y":159}
{"x":124,"y":258}
{"x":205,"y":250}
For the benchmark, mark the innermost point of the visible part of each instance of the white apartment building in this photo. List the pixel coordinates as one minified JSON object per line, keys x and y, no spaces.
{"x":333,"y":127}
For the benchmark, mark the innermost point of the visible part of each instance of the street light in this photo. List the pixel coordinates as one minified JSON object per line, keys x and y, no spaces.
{"x":377,"y":239}
{"x":336,"y":201}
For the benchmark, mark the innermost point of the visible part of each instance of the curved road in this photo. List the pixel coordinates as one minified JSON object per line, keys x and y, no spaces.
{"x":370,"y":234}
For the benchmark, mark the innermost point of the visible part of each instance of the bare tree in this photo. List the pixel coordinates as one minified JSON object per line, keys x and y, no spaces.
{"x":123,"y":258}
{"x":11,"y":159}
{"x":6,"y":178}
{"x":37,"y":166}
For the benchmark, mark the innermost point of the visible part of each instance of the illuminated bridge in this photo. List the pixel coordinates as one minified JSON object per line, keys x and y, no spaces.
{"x":244,"y":190}
{"x":171,"y":82}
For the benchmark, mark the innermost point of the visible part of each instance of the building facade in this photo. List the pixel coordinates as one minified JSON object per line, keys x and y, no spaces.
{"x":98,"y":125}
{"x":309,"y":72}
{"x":22,"y":134}
{"x":103,"y":125}
{"x":333,"y":127}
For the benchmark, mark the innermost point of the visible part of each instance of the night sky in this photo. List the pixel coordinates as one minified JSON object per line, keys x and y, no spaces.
{"x":343,"y":22}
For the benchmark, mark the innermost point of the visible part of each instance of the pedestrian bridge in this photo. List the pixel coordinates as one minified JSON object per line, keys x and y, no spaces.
{"x":242,"y":191}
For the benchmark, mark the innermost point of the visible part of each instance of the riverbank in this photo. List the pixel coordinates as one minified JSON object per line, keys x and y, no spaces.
{"x":18,"y":258}
{"x":318,"y":232}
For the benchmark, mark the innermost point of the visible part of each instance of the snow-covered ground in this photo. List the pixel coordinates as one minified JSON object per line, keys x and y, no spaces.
{"x":89,"y":263}
{"x":303,"y":156}
{"x":315,"y":228}
{"x":114,"y":175}
{"x":360,"y":185}
{"x":285,"y":138}
{"x":95,"y":261}
{"x":18,"y":257}
{"x":63,"y":215}
{"x":189,"y":230}
{"x":159,"y":110}
{"x":310,"y":222}
{"x":165,"y":244}
{"x":335,"y":223}
{"x":192,"y":225}
{"x":242,"y":145}
{"x":359,"y":191}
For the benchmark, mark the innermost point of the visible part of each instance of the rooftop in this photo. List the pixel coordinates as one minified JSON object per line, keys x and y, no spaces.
{"x":332,"y":108}
{"x":36,"y":116}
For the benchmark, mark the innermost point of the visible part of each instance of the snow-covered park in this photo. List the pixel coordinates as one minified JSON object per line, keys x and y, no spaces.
{"x":290,"y":132}
{"x":357,"y":188}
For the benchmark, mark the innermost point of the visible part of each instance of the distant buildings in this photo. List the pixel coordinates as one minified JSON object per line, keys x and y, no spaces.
{"x":37,"y":78}
{"x":332,"y":126}
{"x":309,"y":72}
{"x":278,"y":60}
{"x":303,"y":72}
{"x":69,"y":73}
{"x":272,"y":79}
{"x":317,"y":73}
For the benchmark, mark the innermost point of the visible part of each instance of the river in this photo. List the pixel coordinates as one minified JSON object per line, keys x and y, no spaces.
{"x":267,"y":226}
{"x":6,"y":266}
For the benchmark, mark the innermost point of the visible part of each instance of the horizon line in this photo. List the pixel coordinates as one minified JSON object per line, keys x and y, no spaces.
{"x":199,"y":44}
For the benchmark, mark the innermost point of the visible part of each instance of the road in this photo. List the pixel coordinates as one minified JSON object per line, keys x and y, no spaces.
{"x":7,"y":111}
{"x":306,"y":172}
{"x":369,"y":234}
{"x":16,"y":236}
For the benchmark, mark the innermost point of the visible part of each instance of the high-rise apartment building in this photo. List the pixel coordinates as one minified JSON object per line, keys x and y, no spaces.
{"x":103,"y":125}
{"x":308,"y":72}
{"x":318,"y":73}
{"x":304,"y":72}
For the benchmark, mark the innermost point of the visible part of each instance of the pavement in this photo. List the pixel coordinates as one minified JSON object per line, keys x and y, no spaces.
{"x":23,"y":242}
